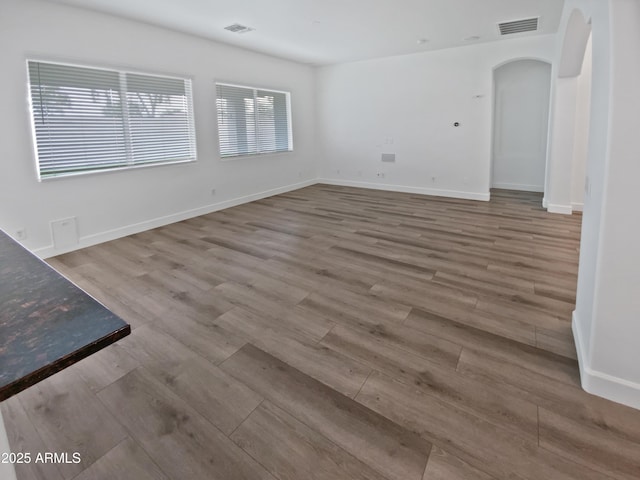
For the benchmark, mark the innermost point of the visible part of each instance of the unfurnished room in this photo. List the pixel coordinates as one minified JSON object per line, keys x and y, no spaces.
{"x":304,"y":239}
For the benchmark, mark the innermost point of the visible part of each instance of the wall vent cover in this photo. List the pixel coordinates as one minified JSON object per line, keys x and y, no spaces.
{"x":519,"y":26}
{"x":237,"y":28}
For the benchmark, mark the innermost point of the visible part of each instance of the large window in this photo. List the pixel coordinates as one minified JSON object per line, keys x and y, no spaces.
{"x":252,"y":121}
{"x":90,"y":119}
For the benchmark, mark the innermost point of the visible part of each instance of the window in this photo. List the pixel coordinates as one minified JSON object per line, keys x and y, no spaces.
{"x":252,"y":121}
{"x":90,"y":119}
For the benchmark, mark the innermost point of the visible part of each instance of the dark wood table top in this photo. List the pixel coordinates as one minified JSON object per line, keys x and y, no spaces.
{"x":46,"y":322}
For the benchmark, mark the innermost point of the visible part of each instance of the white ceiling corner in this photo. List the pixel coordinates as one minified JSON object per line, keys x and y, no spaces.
{"x":323,"y":32}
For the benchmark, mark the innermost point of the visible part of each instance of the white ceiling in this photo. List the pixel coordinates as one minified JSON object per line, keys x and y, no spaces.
{"x":333,"y":31}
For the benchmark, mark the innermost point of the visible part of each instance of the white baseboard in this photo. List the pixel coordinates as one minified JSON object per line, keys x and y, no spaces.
{"x":599,"y":383}
{"x":556,"y":208}
{"x":577,"y":207}
{"x":94,"y":239}
{"x":519,"y":186}
{"x":132,"y":229}
{"x":545,"y":204}
{"x":406,"y":189}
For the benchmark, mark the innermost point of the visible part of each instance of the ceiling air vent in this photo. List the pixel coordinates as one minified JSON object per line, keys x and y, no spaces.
{"x":237,"y":28}
{"x":519,"y":26}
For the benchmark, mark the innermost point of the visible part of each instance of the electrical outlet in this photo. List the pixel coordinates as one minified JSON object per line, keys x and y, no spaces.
{"x":433,"y":179}
{"x":213,"y":191}
{"x":21,"y":234}
{"x":380,"y":174}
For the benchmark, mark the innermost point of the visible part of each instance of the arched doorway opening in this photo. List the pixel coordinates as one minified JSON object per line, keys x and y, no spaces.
{"x":521,"y":115}
{"x":566,"y":129}
{"x":579,"y":181}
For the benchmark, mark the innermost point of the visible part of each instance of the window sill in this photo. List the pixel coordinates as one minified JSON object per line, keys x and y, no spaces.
{"x":113,"y":170}
{"x":231,"y":158}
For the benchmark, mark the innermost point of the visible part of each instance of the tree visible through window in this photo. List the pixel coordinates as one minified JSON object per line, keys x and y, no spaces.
{"x":252,"y":121}
{"x":88,"y":119}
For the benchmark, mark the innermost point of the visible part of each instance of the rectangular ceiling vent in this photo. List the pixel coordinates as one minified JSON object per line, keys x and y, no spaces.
{"x":237,"y":28}
{"x":519,"y":26}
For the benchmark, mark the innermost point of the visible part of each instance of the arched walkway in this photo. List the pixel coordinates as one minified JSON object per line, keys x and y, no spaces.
{"x":606,"y":321}
{"x":520,"y":124}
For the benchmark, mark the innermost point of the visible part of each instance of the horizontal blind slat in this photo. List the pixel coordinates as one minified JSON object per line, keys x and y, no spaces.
{"x":80,"y":125}
{"x":252,"y":120}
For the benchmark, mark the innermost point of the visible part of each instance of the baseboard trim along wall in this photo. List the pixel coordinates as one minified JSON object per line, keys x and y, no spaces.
{"x":600,"y":383}
{"x":405,"y":189}
{"x":518,"y":186}
{"x":94,"y":239}
{"x":89,"y":240}
{"x":556,"y":208}
{"x":577,"y":207}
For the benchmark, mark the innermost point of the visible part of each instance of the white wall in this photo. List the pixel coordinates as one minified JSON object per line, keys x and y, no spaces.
{"x":561,"y":147}
{"x":581,"y":137}
{"x":563,"y":121}
{"x":596,"y":159}
{"x":615,"y":330}
{"x":407,"y":105}
{"x":119,"y":203}
{"x":606,"y":320}
{"x":521,"y":121}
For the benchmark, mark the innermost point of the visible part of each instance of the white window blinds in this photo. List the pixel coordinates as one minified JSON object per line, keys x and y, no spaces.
{"x":89,"y":119}
{"x":252,"y":121}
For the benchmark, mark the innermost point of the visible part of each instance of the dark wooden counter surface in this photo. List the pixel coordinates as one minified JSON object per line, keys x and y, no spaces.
{"x":46,"y":322}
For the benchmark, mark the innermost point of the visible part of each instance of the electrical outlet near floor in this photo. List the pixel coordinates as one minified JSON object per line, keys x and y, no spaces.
{"x":21,"y":234}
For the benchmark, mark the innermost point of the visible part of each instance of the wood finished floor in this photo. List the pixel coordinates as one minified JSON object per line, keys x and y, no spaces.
{"x":334,"y":333}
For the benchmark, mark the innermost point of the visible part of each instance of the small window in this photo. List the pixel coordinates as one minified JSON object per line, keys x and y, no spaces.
{"x":252,"y":121}
{"x":92,"y":120}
